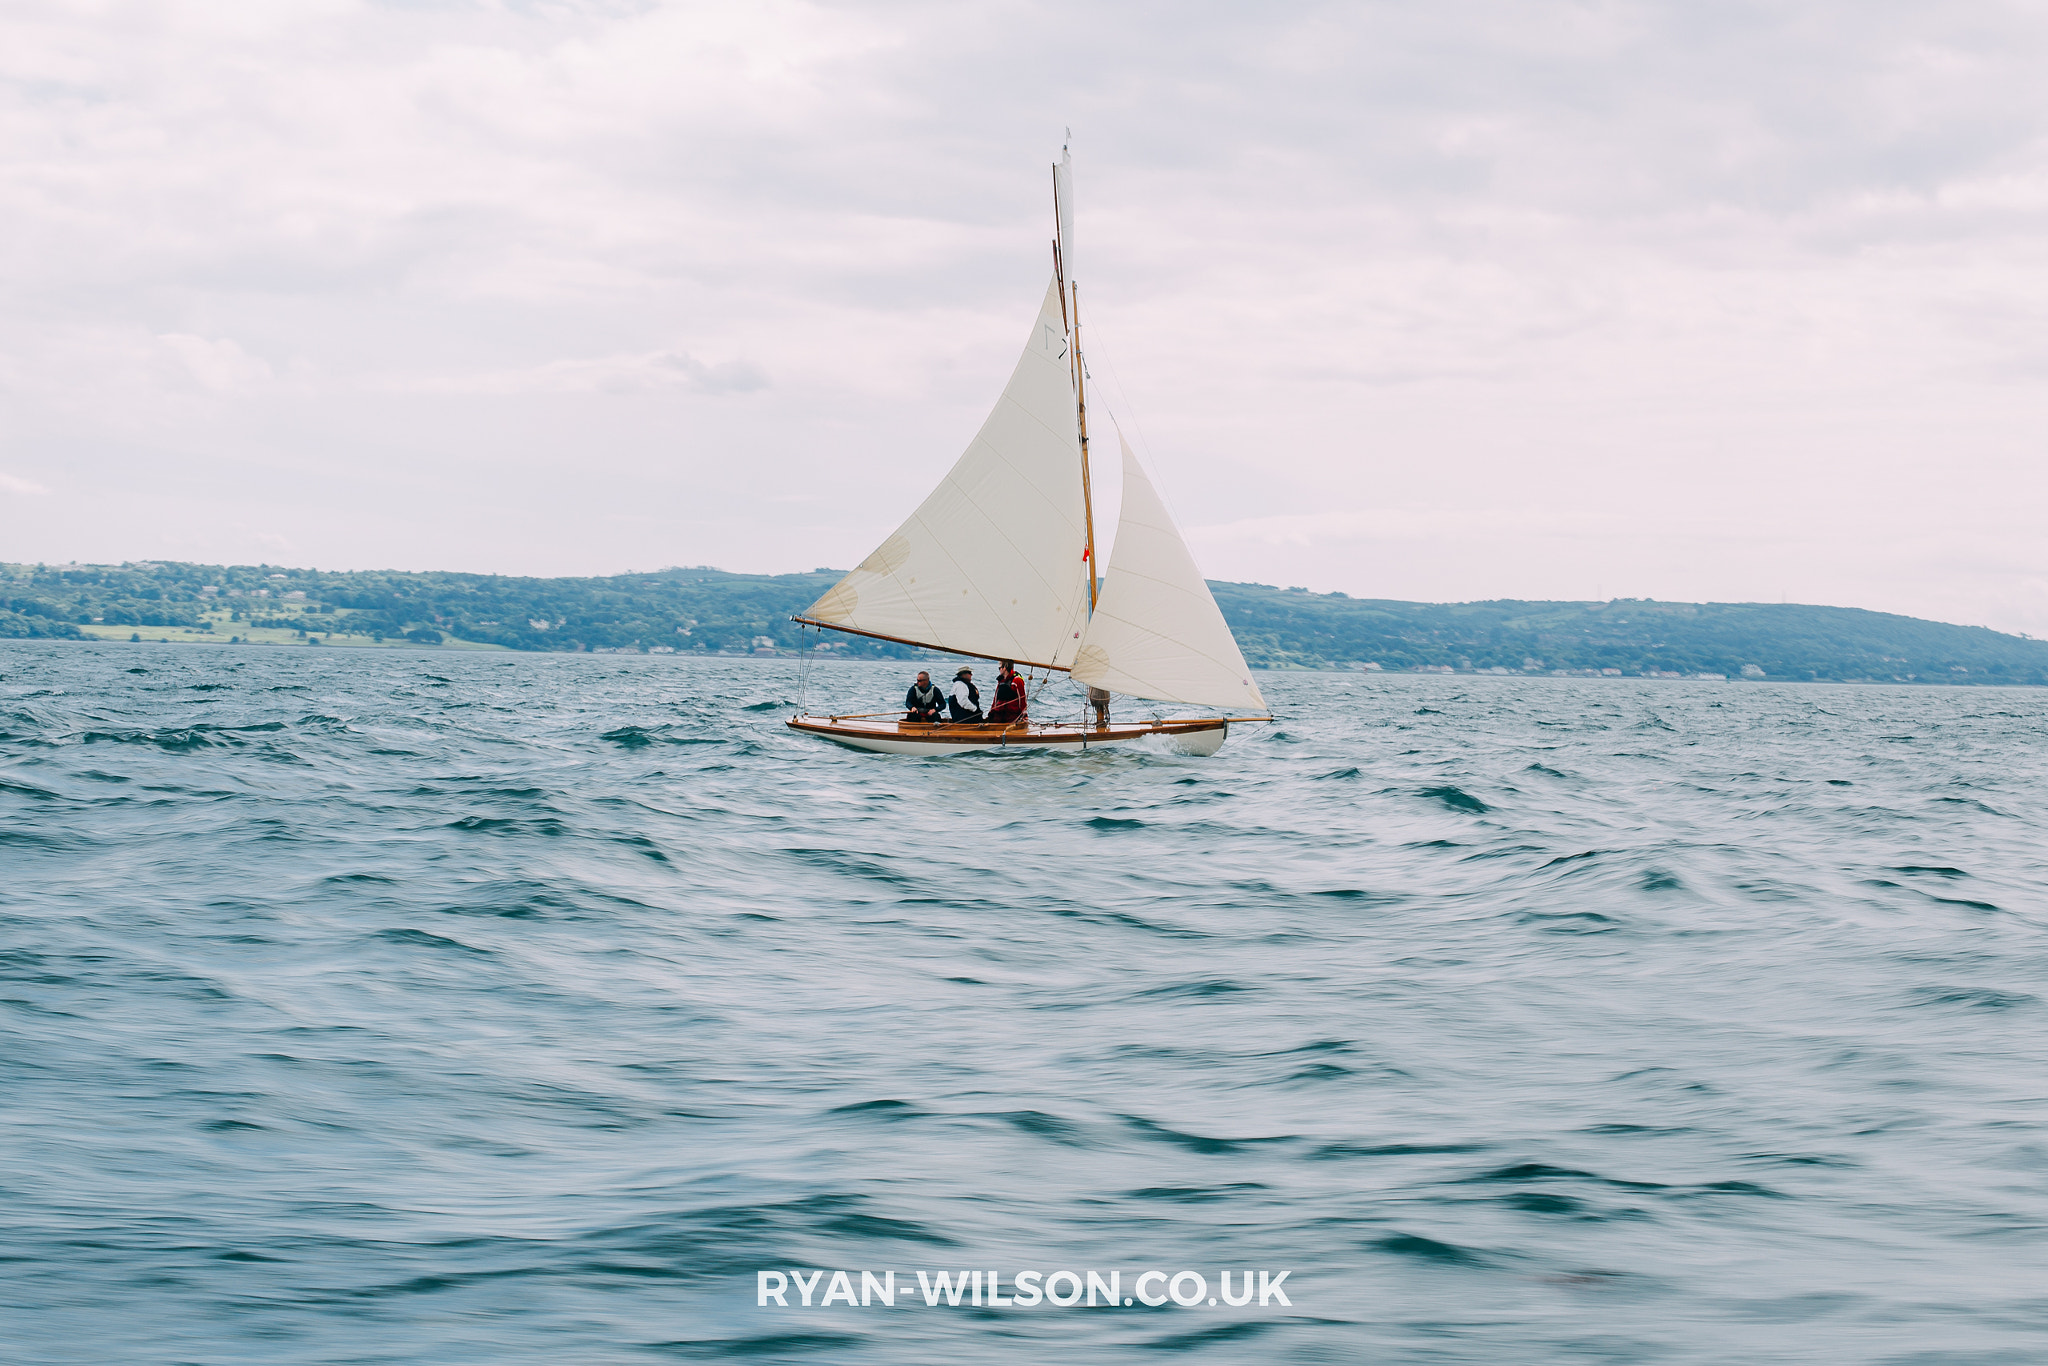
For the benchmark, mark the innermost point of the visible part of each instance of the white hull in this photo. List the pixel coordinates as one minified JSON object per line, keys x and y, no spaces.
{"x":1199,"y":737}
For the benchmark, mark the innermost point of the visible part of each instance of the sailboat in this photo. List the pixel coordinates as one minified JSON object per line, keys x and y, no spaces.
{"x":999,"y":563}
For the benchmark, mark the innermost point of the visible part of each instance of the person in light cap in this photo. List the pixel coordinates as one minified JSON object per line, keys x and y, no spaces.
{"x":966,"y":700}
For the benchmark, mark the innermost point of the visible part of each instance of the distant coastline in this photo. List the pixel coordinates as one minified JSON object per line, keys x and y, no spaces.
{"x":708,"y":612}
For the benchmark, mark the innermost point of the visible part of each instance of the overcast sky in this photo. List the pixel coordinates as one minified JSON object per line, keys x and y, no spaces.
{"x":1449,"y":301}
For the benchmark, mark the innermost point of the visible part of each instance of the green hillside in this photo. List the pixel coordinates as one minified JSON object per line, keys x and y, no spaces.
{"x":709,"y":611}
{"x":1278,"y":627}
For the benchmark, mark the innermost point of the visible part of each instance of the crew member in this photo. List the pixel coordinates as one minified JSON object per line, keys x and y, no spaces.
{"x":966,"y":700}
{"x":1009,"y":703}
{"x":923,"y":702}
{"x":1098,"y":698}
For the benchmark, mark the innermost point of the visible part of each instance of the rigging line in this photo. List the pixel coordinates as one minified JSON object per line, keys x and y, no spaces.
{"x":1071,"y":637}
{"x":1116,"y":378}
{"x":1108,"y":363}
{"x":1081,"y":716}
{"x":1144,"y":444}
{"x":803,"y":670}
{"x":1151,"y":468}
{"x":1080,"y":371}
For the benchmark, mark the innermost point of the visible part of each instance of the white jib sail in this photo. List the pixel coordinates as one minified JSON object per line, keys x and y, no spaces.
{"x":1157,"y":631}
{"x":990,"y":564}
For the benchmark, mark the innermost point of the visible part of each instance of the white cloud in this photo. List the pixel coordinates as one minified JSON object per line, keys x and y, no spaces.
{"x":219,"y":366}
{"x":1694,"y":288}
{"x":655,"y":371}
{"x":15,"y":484}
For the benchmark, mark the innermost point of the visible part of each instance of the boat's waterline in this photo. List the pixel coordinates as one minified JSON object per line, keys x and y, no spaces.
{"x":1199,"y":736}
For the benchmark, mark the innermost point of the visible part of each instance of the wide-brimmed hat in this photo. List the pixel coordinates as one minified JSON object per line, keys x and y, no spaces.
{"x":964,"y":671}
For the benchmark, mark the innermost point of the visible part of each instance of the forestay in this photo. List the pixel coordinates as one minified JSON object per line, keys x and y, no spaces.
{"x":991,"y":563}
{"x":1157,"y":631}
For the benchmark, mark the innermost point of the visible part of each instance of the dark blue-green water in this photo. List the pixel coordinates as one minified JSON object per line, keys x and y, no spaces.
{"x":420,"y":1008}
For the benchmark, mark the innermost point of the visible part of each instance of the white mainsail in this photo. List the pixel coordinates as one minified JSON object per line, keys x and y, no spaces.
{"x":990,"y":564}
{"x":1157,"y":631}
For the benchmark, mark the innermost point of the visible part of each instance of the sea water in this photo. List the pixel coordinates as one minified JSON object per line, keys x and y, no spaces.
{"x":432,"y":1007}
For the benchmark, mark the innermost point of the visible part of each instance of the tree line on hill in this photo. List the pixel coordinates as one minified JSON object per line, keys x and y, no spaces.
{"x":709,"y":611}
{"x":1632,"y":635}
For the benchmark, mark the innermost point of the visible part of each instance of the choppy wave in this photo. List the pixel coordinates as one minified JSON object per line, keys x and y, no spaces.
{"x":388,"y":1007}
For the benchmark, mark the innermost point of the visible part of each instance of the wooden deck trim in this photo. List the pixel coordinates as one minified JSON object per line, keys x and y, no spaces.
{"x":1052,"y":733}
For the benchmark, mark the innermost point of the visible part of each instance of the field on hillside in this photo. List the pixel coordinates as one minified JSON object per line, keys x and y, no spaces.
{"x":221,"y":627}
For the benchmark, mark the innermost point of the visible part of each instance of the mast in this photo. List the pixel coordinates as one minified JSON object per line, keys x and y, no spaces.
{"x":1081,"y":416}
{"x":1070,"y":309}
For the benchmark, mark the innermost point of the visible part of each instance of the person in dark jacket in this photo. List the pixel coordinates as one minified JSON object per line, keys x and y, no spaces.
{"x":923,"y":702}
{"x":966,"y":700}
{"x":1009,"y":703}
